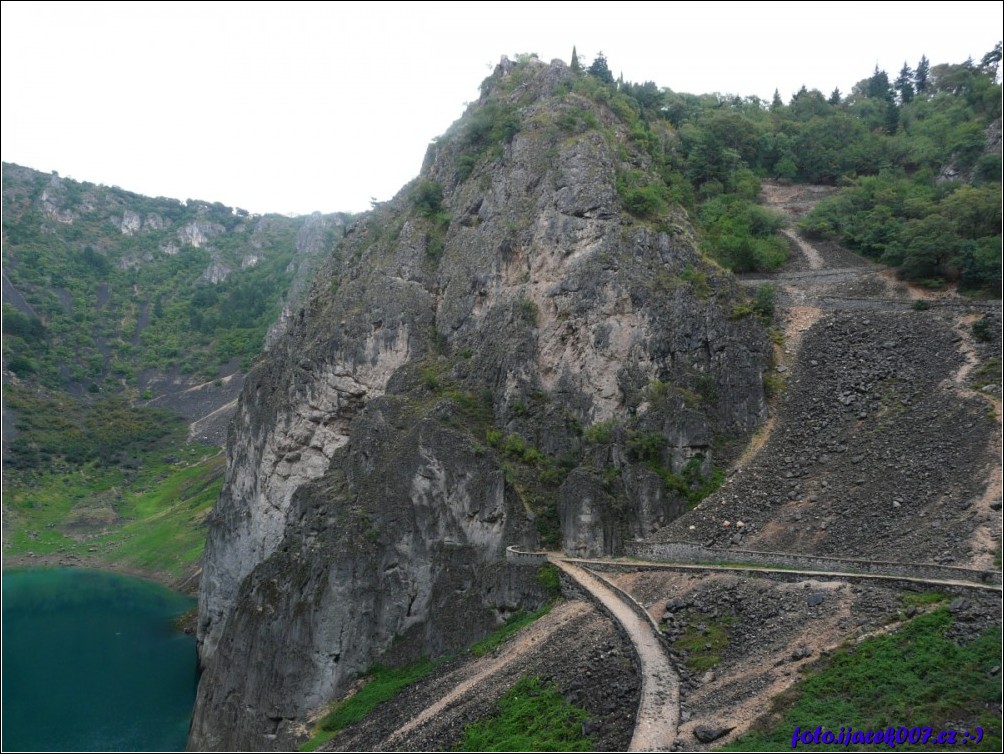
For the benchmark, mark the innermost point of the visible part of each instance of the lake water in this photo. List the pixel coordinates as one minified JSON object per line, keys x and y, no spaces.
{"x":92,"y":661}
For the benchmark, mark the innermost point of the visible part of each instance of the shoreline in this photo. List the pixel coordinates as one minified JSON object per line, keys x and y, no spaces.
{"x":187,"y":584}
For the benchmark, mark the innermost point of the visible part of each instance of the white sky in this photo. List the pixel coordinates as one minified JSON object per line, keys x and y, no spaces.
{"x":296,"y":107}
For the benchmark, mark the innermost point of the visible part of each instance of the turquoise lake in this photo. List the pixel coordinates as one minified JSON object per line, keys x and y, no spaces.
{"x":92,"y":661}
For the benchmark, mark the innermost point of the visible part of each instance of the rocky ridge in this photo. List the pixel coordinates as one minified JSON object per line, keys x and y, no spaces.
{"x":462,"y":336}
{"x":117,"y":283}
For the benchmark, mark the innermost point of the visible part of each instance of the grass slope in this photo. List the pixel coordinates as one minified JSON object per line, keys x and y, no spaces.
{"x":385,"y":683}
{"x":532,"y":716}
{"x":149,"y":520}
{"x":916,"y":677}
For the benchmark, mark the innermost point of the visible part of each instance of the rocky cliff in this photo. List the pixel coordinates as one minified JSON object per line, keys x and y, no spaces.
{"x":502,"y":354}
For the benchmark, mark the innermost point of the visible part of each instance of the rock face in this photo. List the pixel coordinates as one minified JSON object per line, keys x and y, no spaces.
{"x":500,"y":355}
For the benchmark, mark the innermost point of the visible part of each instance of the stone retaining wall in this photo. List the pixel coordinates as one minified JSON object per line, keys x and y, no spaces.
{"x":679,"y":552}
{"x":514,"y":555}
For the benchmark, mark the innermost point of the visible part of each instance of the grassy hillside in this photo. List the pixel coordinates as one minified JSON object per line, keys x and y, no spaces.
{"x":919,"y":678}
{"x":106,"y":482}
{"x":107,"y":294}
{"x":101,"y":284}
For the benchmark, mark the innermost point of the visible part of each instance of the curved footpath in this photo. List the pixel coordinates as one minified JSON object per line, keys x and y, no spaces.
{"x":659,"y":706}
{"x":658,"y":714}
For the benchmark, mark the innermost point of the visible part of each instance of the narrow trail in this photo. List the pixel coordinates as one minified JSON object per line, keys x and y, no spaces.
{"x":489,"y":666}
{"x":658,"y":714}
{"x":196,"y":426}
{"x":812,"y":255}
{"x":984,"y":537}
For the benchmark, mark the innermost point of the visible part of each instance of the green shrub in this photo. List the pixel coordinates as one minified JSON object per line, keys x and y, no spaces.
{"x":532,"y":716}
{"x":599,"y":433}
{"x":645,"y":446}
{"x":698,"y":280}
{"x":764,"y":301}
{"x":485,"y":133}
{"x":773,"y":384}
{"x":548,"y":577}
{"x":528,"y":311}
{"x":704,"y":645}
{"x":427,"y":198}
{"x":982,"y":330}
{"x":640,"y":198}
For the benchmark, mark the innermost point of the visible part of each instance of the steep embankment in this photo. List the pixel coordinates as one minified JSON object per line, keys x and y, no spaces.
{"x":574,"y":646}
{"x":468,"y":372}
{"x":883,"y":446}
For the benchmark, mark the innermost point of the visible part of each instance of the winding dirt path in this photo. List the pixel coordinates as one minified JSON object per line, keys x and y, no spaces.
{"x":658,"y":714}
{"x":985,"y":537}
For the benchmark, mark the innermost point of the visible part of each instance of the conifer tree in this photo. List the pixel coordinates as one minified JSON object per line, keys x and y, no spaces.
{"x":992,"y":60}
{"x":891,"y":117}
{"x":904,"y":84}
{"x":921,"y":77}
{"x":878,"y":85}
{"x":575,"y":65}
{"x":776,"y":102}
{"x":600,"y":69}
{"x":834,"y":96}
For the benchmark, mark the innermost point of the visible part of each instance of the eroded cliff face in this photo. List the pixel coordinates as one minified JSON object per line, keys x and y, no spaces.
{"x":500,"y":355}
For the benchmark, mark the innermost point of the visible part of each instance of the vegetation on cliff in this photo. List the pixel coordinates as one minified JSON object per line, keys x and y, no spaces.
{"x":536,"y":341}
{"x":918,"y":160}
{"x":104,"y":283}
{"x":116,"y":307}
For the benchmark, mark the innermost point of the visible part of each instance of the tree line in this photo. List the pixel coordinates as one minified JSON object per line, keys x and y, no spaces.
{"x":917,"y":157}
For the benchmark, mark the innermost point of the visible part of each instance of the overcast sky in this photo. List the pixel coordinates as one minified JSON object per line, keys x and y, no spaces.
{"x":300,"y":107}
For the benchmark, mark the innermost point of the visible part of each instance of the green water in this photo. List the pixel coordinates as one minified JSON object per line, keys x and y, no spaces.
{"x":92,"y":662}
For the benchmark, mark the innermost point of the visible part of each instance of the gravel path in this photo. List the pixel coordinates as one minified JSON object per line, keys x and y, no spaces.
{"x":659,"y":707}
{"x":813,"y":257}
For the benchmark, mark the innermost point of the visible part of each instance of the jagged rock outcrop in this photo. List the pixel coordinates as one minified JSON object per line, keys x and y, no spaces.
{"x":500,"y":355}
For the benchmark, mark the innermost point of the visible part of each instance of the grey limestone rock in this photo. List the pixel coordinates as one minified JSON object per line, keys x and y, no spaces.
{"x":523,"y":363}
